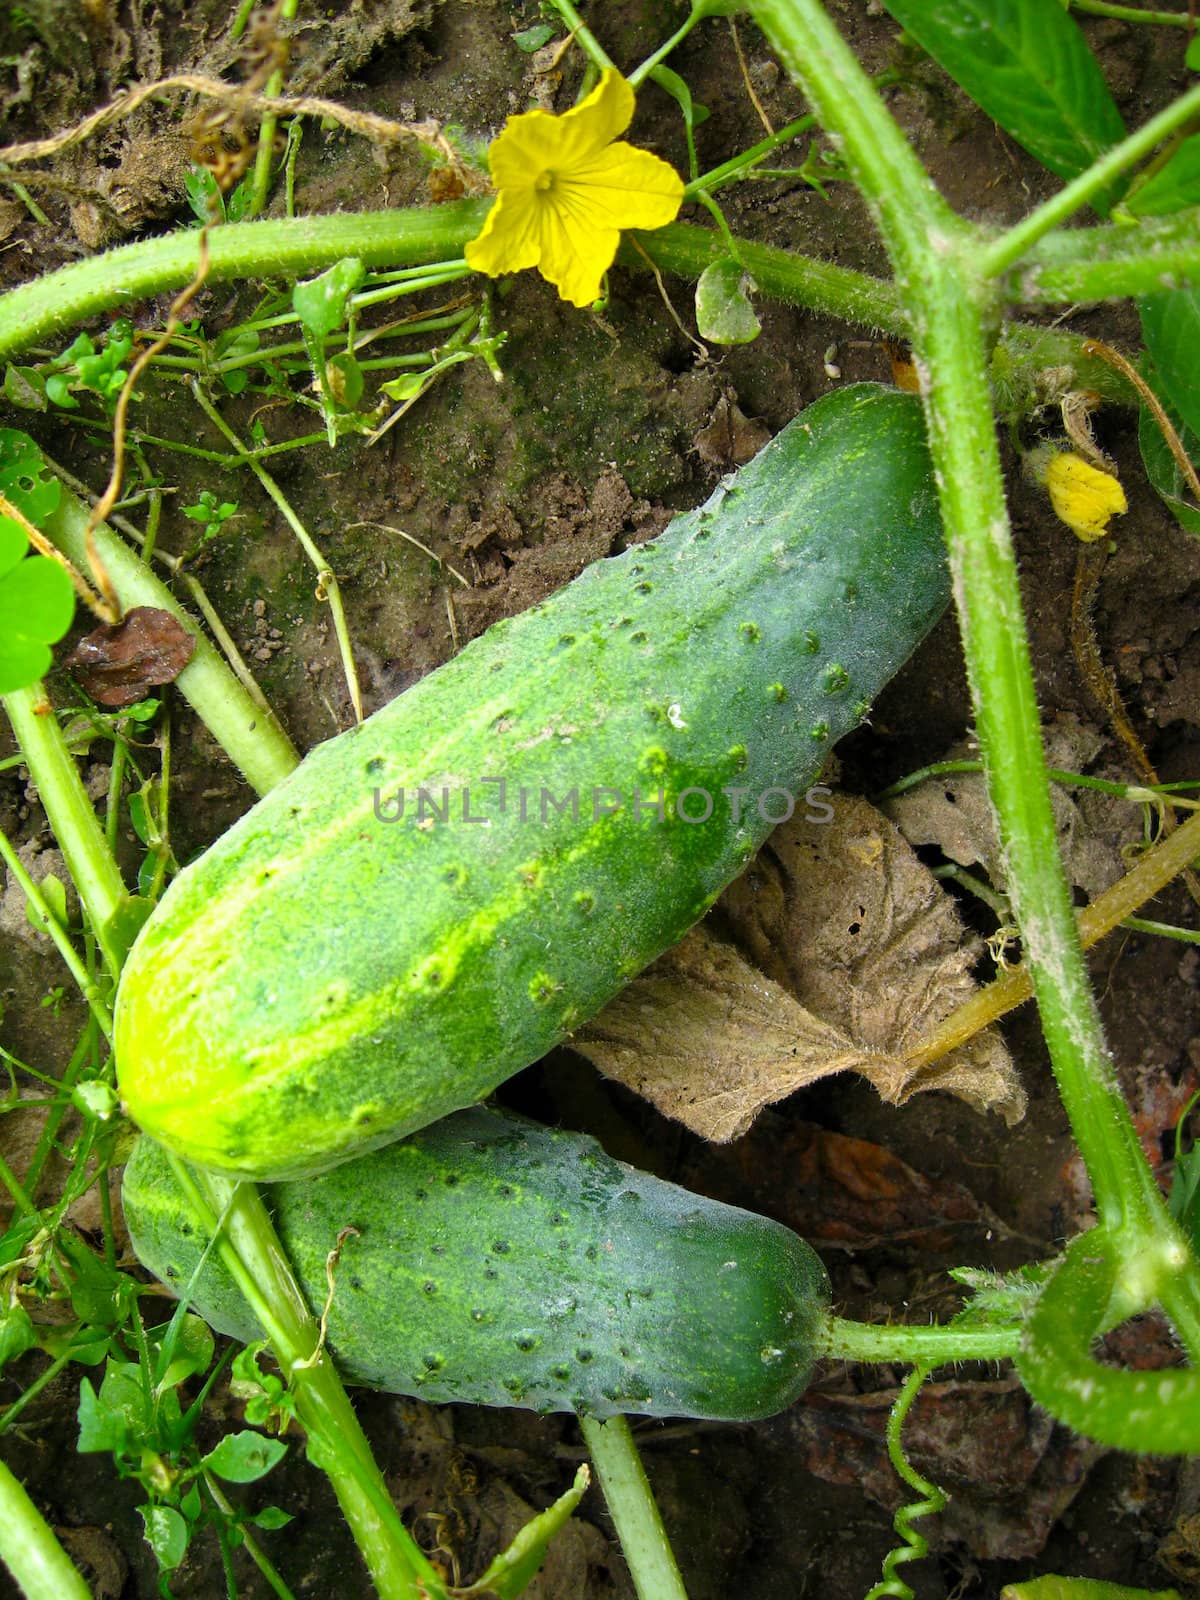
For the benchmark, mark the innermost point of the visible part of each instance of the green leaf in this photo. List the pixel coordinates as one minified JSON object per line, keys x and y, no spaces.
{"x":36,"y":607}
{"x":97,"y":1099}
{"x":1027,"y":64}
{"x":1163,"y":470}
{"x":54,"y":894}
{"x":724,"y":314}
{"x":166,"y":1534}
{"x":25,"y":387}
{"x":184,"y":1350}
{"x":36,"y":598}
{"x":1191,"y":56}
{"x":531,"y":39}
{"x":98,"y":1428}
{"x":514,"y":1569}
{"x":1171,"y":329}
{"x":344,"y":379}
{"x":693,"y":112}
{"x":270,"y":1517}
{"x":25,"y":478}
{"x":1172,"y":187}
{"x":17,"y":1334}
{"x":321,"y":302}
{"x":245,"y":1457}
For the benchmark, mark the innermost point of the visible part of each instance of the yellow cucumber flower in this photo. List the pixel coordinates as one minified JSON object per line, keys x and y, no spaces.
{"x":565,"y":191}
{"x":1083,"y":496}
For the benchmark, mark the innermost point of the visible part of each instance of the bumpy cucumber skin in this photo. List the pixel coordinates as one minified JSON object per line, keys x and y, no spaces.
{"x":506,"y":1264}
{"x":321,"y":982}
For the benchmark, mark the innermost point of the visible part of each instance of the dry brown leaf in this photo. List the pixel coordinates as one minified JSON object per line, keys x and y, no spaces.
{"x":953,"y":813}
{"x":857,"y":954}
{"x":118,"y":666}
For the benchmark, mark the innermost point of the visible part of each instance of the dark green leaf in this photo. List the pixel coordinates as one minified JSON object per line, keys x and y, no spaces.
{"x":245,"y":1457}
{"x":1027,"y":64}
{"x":724,"y":314}
{"x":166,"y":1534}
{"x":1171,"y":329}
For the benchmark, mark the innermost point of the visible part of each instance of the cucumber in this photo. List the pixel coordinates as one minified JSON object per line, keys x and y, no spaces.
{"x":506,"y":1264}
{"x":332,"y":975}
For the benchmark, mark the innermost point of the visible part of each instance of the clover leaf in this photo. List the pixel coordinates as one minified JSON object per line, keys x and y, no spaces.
{"x":36,"y":598}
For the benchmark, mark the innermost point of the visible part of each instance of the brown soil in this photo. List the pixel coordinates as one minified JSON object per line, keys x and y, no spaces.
{"x":602,"y":428}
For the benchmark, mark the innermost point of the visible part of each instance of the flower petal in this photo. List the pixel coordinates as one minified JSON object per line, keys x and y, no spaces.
{"x":538,"y":141}
{"x":510,"y":239}
{"x":629,"y":188}
{"x":577,"y":250}
{"x":1083,"y":496}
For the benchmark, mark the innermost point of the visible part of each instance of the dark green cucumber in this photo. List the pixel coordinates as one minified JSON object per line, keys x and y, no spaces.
{"x":502,"y":1263}
{"x":325,"y":979}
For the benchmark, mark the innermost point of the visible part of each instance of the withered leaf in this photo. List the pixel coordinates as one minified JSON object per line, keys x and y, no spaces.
{"x":730,"y":438}
{"x":118,"y":666}
{"x":857,"y":953}
{"x":954,"y":813}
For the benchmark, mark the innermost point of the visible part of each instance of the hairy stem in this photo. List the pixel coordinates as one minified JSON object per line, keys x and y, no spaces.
{"x":647,"y":1550}
{"x":42,"y":1568}
{"x":937,"y":266}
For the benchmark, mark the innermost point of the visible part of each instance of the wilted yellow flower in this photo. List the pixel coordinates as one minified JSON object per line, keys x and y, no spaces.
{"x":1082,"y":495}
{"x":565,"y":191}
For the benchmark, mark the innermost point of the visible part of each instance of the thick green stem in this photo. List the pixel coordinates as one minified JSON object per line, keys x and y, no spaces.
{"x":71,"y":814}
{"x":42,"y":1568}
{"x":284,"y":247}
{"x":938,"y":272}
{"x":647,"y":1550}
{"x":246,"y":729}
{"x":868,"y":1341}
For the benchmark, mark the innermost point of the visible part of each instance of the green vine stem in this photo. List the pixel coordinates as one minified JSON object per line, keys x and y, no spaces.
{"x":294,"y":246}
{"x":953,"y":312}
{"x":250,"y":1249}
{"x":647,"y":1550}
{"x":71,"y":815}
{"x":336,"y":1441}
{"x":42,"y":1568}
{"x":867,"y":1341}
{"x":247,"y":731}
{"x":1016,"y":241}
{"x":931,"y":1503}
{"x":1099,"y":1282}
{"x":1109,"y":259}
{"x":1103,"y":8}
{"x":44,"y":917}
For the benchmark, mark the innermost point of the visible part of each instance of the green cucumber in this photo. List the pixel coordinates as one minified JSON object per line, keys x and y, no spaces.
{"x":327,"y":978}
{"x":502,"y":1263}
